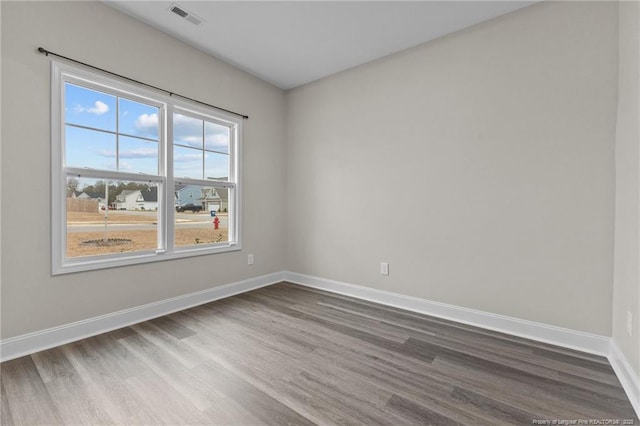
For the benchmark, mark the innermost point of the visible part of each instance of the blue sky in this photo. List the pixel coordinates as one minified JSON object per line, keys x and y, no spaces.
{"x":197,"y":144}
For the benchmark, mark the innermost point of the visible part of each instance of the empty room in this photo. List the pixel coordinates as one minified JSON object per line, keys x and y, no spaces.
{"x":320,"y":212}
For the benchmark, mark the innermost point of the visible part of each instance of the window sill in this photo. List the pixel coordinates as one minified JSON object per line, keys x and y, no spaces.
{"x":125,"y":259}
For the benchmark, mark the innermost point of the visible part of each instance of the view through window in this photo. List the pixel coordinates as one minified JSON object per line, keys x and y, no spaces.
{"x":140,"y":175}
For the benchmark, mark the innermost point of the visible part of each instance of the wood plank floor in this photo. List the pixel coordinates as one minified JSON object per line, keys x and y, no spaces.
{"x":285,"y":354}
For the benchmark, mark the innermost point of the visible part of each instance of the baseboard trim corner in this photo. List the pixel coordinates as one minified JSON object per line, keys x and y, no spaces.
{"x":629,"y":380}
{"x":568,"y":338}
{"x":26,"y":344}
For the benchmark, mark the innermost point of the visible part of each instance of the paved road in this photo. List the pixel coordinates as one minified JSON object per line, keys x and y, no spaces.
{"x":184,"y":220}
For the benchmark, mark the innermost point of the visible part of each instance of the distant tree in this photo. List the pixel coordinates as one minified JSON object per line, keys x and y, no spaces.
{"x":72,"y":186}
{"x":97,"y":191}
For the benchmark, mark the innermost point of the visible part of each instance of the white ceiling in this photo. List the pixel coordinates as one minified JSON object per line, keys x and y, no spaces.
{"x":292,"y":43}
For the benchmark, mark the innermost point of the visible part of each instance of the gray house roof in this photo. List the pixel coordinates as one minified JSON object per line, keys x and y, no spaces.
{"x":150,"y":194}
{"x":80,"y":194}
{"x":220,"y":194}
{"x":223,"y":194}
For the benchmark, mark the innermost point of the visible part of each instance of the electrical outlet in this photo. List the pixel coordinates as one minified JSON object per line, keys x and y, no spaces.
{"x":249,"y":259}
{"x":384,"y":268}
{"x":629,"y":323}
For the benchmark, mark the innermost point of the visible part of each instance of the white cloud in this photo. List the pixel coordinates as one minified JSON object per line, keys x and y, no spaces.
{"x":98,"y":108}
{"x":193,"y":141}
{"x":131,"y":153}
{"x":215,"y":129}
{"x":106,"y":153}
{"x":217,"y":142}
{"x":147,"y":122}
{"x":139,"y":153}
{"x":179,"y":119}
{"x":187,"y":130}
{"x":187,"y":157}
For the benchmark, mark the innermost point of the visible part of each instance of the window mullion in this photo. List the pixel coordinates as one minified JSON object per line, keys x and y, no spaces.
{"x":163,"y":210}
{"x":203,"y":182}
{"x":170,"y":212}
{"x":204,"y":172}
{"x":107,"y":174}
{"x":58,"y":178}
{"x":118,"y":133}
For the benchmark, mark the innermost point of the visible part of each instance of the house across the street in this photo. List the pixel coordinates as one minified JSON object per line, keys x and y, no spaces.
{"x":208,"y":198}
{"x":80,"y":195}
{"x":137,"y":199}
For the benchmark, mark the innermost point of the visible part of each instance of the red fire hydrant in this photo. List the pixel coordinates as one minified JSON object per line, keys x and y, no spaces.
{"x":216,"y":223}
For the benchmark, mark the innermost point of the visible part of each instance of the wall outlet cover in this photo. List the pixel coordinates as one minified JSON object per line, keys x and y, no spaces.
{"x":384,"y":268}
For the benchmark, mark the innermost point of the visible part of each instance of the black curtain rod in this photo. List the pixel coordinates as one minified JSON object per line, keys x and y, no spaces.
{"x":48,"y":52}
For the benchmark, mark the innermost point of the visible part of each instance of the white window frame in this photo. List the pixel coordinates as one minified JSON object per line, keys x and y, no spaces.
{"x":62,"y":73}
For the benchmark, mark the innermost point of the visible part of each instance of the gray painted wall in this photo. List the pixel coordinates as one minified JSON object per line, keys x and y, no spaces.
{"x":626,"y":284}
{"x":90,"y":31}
{"x":480,"y":166}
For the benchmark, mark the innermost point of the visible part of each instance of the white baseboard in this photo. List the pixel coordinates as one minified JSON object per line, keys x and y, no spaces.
{"x":559,"y":336}
{"x":627,"y":376}
{"x":26,"y":344}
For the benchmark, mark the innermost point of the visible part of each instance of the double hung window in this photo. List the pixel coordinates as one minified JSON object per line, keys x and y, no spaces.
{"x":138,"y":176}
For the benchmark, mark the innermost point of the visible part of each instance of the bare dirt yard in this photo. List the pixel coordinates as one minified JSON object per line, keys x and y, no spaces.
{"x":81,"y":242}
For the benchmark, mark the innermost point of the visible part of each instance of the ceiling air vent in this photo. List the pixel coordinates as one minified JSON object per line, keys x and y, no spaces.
{"x":181,"y":12}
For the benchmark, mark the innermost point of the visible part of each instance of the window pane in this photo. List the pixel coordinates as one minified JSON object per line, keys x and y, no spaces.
{"x":187,"y":162}
{"x":216,"y":166}
{"x":90,"y":148}
{"x":128,"y":224}
{"x":216,"y":137}
{"x":89,"y":108}
{"x":138,"y":156}
{"x":194,"y":223}
{"x":138,"y":119}
{"x":187,"y":131}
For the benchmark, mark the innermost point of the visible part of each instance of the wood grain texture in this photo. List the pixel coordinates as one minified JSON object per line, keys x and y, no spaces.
{"x":5,"y":413}
{"x":286,"y":354}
